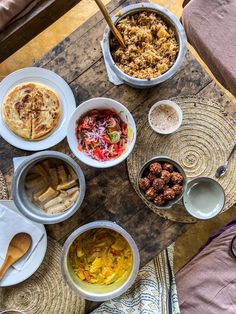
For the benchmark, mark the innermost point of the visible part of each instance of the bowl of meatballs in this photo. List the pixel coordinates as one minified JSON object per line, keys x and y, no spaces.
{"x":162,"y":181}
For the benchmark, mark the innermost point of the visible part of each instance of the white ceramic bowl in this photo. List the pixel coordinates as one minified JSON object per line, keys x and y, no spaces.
{"x":204,"y":198}
{"x":175,"y":107}
{"x":100,"y":103}
{"x":91,"y":292}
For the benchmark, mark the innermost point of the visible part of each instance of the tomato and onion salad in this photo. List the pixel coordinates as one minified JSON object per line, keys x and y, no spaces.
{"x":102,"y":134}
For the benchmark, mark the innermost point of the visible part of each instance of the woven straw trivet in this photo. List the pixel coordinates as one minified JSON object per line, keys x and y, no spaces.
{"x":201,"y":144}
{"x":45,"y":292}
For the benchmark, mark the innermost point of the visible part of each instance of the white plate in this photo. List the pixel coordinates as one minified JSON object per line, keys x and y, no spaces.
{"x":53,"y":81}
{"x":13,"y":277}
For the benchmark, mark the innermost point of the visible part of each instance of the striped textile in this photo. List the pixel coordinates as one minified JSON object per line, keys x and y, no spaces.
{"x":154,"y":291}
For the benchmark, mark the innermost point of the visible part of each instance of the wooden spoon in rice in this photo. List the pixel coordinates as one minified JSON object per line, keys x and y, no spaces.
{"x":114,"y":30}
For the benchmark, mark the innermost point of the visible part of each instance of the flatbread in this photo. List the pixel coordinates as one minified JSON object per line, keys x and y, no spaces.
{"x":16,"y":110}
{"x":43,"y":122}
{"x":31,"y":110}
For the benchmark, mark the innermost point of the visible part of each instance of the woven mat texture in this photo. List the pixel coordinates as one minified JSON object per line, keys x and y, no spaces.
{"x":45,"y":292}
{"x":201,"y":144}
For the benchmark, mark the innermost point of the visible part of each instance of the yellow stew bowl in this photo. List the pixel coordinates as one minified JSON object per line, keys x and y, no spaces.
{"x":100,"y":261}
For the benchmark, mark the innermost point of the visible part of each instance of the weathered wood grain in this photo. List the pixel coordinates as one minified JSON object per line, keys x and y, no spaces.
{"x":76,"y":35}
{"x":109,"y":193}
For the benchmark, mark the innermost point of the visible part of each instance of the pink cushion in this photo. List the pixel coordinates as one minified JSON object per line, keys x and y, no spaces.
{"x":210,"y":26}
{"x":207,"y":284}
{"x":9,"y":9}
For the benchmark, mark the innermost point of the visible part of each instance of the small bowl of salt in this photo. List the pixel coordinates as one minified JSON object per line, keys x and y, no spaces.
{"x":165,"y":117}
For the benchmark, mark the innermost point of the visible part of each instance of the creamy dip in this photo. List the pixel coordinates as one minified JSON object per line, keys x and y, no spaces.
{"x":164,"y":118}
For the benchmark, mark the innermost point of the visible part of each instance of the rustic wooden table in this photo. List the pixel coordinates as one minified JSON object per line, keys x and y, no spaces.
{"x":78,"y":59}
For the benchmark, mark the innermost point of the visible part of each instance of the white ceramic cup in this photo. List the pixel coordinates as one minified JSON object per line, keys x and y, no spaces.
{"x":175,"y":107}
{"x":204,"y":198}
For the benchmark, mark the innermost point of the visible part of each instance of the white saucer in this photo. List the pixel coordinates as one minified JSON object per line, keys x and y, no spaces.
{"x":53,"y":81}
{"x":13,"y":277}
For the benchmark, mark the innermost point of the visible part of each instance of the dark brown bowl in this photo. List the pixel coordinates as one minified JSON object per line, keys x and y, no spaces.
{"x":144,"y":168}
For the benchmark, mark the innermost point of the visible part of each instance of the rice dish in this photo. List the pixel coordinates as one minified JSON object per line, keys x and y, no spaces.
{"x":151,"y":45}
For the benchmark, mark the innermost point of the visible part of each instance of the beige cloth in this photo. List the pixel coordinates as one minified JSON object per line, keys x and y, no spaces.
{"x":210,"y":26}
{"x":9,"y":9}
{"x":207,"y":284}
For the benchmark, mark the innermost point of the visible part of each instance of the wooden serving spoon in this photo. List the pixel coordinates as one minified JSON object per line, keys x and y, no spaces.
{"x":114,"y":30}
{"x":18,"y":246}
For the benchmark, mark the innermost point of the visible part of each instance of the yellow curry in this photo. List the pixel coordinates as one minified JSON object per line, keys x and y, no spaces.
{"x":101,"y":256}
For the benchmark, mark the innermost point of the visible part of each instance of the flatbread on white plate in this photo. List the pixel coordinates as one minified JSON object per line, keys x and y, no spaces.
{"x":31,"y":110}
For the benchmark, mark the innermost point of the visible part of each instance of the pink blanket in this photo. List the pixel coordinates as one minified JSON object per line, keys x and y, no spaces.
{"x":9,"y":9}
{"x":210,"y":26}
{"x":207,"y":284}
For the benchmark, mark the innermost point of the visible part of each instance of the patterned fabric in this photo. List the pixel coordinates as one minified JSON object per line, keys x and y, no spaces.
{"x":154,"y":291}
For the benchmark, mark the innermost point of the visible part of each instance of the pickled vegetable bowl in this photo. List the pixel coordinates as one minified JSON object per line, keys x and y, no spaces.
{"x":102,"y":134}
{"x":101,"y":256}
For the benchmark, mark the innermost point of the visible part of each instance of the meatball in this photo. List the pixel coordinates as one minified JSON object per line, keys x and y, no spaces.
{"x":165,"y":175}
{"x":155,"y":168}
{"x":151,"y":176}
{"x":177,"y":189}
{"x":159,"y":200}
{"x":151,"y":193}
{"x":169,"y":194}
{"x":176,"y":177}
{"x":158,"y":184}
{"x":167,"y":166}
{"x":144,"y":183}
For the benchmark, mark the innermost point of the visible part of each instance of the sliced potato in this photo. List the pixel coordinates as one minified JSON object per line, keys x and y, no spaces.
{"x":37,"y":194}
{"x":58,"y":208}
{"x":72,"y":173}
{"x":40,"y":170}
{"x":70,"y":200}
{"x":53,"y":201}
{"x":52,"y":185}
{"x":62,"y":174}
{"x":47,"y":195}
{"x":66,"y":185}
{"x":72,"y":190}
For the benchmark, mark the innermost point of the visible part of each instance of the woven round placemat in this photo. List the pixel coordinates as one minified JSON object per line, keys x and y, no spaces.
{"x":201,"y":144}
{"x":45,"y":292}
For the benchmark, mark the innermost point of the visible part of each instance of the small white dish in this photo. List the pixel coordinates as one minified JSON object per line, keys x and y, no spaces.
{"x":53,"y":81}
{"x":13,"y":277}
{"x":204,"y":198}
{"x":100,"y":103}
{"x":177,"y":110}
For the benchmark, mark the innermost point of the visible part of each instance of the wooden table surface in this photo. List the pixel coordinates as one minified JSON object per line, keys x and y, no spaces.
{"x":78,"y":59}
